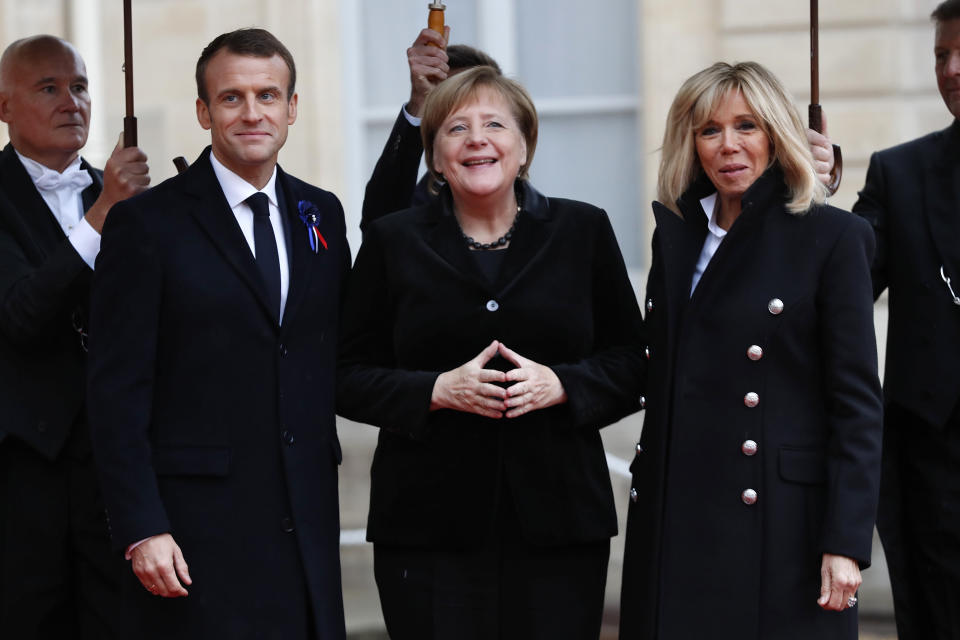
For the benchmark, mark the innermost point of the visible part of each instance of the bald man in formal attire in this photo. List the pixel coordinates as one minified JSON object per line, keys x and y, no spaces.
{"x":57,"y":576}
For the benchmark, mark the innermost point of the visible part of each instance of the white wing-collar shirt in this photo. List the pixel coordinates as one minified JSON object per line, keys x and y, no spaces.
{"x":61,"y":191}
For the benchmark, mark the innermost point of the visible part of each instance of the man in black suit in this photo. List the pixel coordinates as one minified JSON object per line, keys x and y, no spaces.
{"x":393,"y":185}
{"x":57,"y":576}
{"x":912,"y":198}
{"x":213,"y":338}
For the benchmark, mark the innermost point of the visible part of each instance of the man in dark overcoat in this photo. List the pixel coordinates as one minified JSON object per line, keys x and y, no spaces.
{"x":912,"y":199}
{"x":58,"y":578}
{"x":213,"y":337}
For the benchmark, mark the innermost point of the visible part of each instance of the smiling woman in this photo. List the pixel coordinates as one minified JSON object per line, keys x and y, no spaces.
{"x":490,"y":334}
{"x":759,"y":456}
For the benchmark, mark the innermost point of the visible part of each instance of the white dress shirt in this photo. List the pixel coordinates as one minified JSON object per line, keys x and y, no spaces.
{"x":61,"y":191}
{"x":237,"y":190}
{"x":711,"y":243}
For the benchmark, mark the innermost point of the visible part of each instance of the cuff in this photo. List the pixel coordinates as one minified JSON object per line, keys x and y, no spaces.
{"x":86,"y":241}
{"x":413,"y":120}
{"x":126,"y":554}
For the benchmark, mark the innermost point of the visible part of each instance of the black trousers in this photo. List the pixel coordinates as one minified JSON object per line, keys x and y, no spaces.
{"x":58,"y":577}
{"x":509,"y":589}
{"x":919,"y":524}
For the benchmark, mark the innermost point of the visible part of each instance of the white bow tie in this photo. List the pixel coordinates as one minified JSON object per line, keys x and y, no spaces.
{"x":73,"y":178}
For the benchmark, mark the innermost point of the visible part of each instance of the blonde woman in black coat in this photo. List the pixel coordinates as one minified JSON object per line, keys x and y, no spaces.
{"x":490,"y":334}
{"x":756,"y":476}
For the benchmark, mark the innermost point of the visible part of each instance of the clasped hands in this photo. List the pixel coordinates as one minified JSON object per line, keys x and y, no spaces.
{"x":472,"y":389}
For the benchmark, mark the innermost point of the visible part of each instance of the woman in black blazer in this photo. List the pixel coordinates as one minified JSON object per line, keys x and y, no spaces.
{"x":756,"y":476}
{"x":490,"y":335}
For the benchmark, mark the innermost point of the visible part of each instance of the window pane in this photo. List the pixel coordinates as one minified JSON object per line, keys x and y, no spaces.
{"x":594,"y":159}
{"x":585,"y":48}
{"x":389,"y":28}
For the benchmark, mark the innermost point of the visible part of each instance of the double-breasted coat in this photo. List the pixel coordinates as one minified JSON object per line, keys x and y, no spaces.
{"x":214,"y":421}
{"x":418,"y":305}
{"x":761,"y":444}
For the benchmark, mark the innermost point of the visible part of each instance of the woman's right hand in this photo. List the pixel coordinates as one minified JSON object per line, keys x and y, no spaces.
{"x":469,"y":387}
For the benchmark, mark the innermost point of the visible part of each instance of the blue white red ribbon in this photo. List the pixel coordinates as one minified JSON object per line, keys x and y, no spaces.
{"x":310,"y":215}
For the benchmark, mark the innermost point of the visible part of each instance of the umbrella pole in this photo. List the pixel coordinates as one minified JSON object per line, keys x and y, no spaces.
{"x":129,"y":121}
{"x":815,"y":115}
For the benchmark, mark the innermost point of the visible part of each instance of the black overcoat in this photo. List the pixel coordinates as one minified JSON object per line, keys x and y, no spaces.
{"x":213,"y":421}
{"x":417,"y":305}
{"x":783,"y":311}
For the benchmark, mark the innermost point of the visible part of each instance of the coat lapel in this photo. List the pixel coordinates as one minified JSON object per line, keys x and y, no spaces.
{"x":445,"y":238}
{"x":680,"y":240}
{"x":943,"y":205}
{"x":210,"y":209}
{"x":530,"y":239}
{"x":29,"y":216}
{"x":298,"y":249}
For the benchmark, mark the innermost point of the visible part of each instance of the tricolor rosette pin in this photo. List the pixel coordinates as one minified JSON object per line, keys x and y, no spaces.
{"x":310,"y":216}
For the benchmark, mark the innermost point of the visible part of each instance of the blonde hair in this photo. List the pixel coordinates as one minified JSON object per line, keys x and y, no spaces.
{"x":462,"y":87}
{"x":777,"y":116}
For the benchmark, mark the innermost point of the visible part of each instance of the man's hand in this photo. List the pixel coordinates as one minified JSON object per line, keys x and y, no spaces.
{"x":825,"y":157}
{"x":428,"y":67}
{"x":157,"y":562}
{"x":822,"y":150}
{"x":125,"y":175}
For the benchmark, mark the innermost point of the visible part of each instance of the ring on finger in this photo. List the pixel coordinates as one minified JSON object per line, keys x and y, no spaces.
{"x":852,"y":601}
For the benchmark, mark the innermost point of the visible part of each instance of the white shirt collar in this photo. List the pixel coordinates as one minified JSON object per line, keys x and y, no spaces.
{"x":709,"y":204}
{"x":236,"y":189}
{"x":36,"y":171}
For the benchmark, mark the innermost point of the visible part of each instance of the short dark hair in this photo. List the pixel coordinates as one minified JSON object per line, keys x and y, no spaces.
{"x":461,"y":57}
{"x":947,"y":10}
{"x":258,"y":43}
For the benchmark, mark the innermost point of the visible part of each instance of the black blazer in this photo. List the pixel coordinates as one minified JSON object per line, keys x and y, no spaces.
{"x":209,"y":419}
{"x":44,"y":285}
{"x":912,"y":199}
{"x":753,"y":571}
{"x":417,"y":305}
{"x":393,"y":185}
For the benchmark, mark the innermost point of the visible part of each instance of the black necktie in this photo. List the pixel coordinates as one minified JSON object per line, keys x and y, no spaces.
{"x":265,"y":244}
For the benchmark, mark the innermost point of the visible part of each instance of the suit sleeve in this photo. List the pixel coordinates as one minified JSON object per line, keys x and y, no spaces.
{"x":370,"y":388}
{"x":124,"y":318}
{"x":871,"y":205}
{"x":606,"y":386}
{"x":33,"y":297}
{"x":391,"y":187}
{"x":853,"y":398}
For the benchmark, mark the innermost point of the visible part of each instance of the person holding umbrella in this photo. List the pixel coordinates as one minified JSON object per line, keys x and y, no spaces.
{"x":58,"y":578}
{"x":911,"y":199}
{"x":756,"y":476}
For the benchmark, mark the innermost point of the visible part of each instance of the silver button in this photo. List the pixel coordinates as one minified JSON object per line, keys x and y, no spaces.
{"x":639,"y":449}
{"x":649,"y":305}
{"x":492,"y":305}
{"x":633,"y":494}
{"x":775,"y":306}
{"x":751,"y":400}
{"x":646,"y":352}
{"x":754,"y":352}
{"x":643,"y":402}
{"x":749,"y":496}
{"x":749,"y":448}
